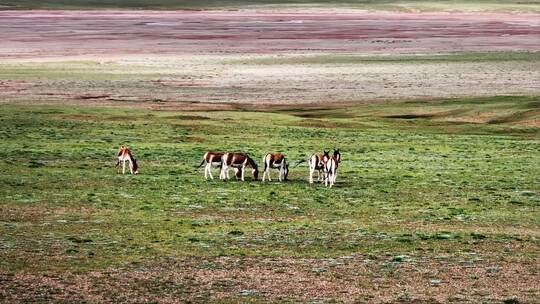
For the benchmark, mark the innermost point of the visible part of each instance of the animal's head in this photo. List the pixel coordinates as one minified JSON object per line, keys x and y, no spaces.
{"x":337,"y":155}
{"x":255,"y":170}
{"x":135,"y":166}
{"x":120,"y":150}
{"x":326,"y":156}
{"x":255,"y":173}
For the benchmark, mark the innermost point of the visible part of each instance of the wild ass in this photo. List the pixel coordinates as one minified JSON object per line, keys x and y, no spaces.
{"x":276,"y":161}
{"x":210,"y":159}
{"x":317,"y":162}
{"x":331,"y":167}
{"x":337,"y":155}
{"x":124,"y":155}
{"x":239,"y":161}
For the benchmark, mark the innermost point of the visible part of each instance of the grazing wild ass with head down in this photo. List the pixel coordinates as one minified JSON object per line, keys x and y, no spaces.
{"x":276,"y":161}
{"x":124,"y":155}
{"x":317,"y":163}
{"x":210,"y":159}
{"x":239,"y":161}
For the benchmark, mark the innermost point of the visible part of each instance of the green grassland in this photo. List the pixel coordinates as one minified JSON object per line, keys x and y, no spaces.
{"x":406,"y":183}
{"x":430,"y":189}
{"x":327,"y":59}
{"x":393,"y":5}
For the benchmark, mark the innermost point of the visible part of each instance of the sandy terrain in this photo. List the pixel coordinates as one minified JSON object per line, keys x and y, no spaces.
{"x":60,"y":33}
{"x":199,"y":82}
{"x":181,"y":58}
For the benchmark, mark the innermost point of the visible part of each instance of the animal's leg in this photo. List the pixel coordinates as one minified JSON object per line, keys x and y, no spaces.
{"x":131,"y":167}
{"x":222,"y":172}
{"x":327,"y":180}
{"x":210,"y":171}
{"x":243,"y":171}
{"x":265,"y":169}
{"x":311,"y":174}
{"x":207,"y":171}
{"x":124,"y":167}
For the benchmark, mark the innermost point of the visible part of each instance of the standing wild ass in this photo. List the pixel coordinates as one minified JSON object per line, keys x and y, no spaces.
{"x":210,"y":159}
{"x":331,"y":167}
{"x":317,"y":163}
{"x":276,"y":161}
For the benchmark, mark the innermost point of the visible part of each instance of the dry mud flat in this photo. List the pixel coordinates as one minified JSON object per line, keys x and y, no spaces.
{"x":57,"y":33}
{"x":201,"y":83}
{"x":196,"y":60}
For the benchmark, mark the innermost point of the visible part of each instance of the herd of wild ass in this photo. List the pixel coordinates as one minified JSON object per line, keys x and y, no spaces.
{"x":325,"y":165}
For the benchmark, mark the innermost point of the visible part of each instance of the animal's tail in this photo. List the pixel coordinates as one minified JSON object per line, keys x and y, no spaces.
{"x":299,"y":162}
{"x":202,"y":163}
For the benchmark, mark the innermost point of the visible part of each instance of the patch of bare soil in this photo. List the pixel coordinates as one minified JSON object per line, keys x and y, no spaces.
{"x":427,"y":115}
{"x":387,"y":279}
{"x":181,"y":60}
{"x":32,"y":212}
{"x":182,"y":83}
{"x":8,"y":87}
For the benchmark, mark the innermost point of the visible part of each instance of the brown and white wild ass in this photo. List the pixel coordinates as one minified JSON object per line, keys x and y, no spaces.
{"x":337,"y":155}
{"x":238,"y":161}
{"x":331,"y":167}
{"x":124,"y":155}
{"x":275,"y":161}
{"x":210,"y":159}
{"x":317,"y":163}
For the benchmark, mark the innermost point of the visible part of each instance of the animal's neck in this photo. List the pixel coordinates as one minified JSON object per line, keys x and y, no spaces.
{"x":251,"y":163}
